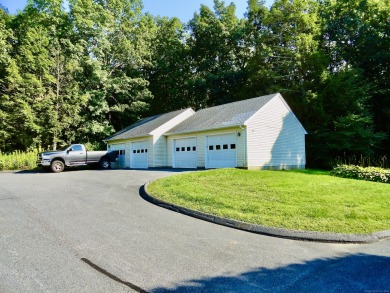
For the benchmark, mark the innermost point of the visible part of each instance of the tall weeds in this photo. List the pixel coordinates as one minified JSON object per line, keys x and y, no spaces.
{"x":18,"y":160}
{"x":362,"y":161}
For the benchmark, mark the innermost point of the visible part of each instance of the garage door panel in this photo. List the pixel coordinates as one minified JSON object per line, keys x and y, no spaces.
{"x":221,"y":151}
{"x":139,"y":155}
{"x":185,"y":153}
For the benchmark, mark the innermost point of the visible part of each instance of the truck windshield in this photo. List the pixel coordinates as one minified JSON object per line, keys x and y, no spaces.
{"x":64,"y":148}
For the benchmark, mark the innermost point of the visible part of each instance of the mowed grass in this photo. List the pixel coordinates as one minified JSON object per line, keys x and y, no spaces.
{"x":300,"y":200}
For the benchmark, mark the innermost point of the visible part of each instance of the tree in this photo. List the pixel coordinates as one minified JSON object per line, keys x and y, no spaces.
{"x":44,"y":91}
{"x":6,"y":63}
{"x":170,"y":70}
{"x":116,"y":38}
{"x":288,"y":49}
{"x":357,"y":35}
{"x":81,"y":74}
{"x":295,"y":53}
{"x":218,"y":56}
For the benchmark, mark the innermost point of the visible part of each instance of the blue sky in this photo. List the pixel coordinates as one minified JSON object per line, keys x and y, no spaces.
{"x":184,"y":9}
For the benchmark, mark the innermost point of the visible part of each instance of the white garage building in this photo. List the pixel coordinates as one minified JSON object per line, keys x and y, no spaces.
{"x":259,"y":133}
{"x":143,"y":144}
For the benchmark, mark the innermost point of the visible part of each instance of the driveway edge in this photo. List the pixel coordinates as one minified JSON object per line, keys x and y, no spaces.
{"x":269,"y":231}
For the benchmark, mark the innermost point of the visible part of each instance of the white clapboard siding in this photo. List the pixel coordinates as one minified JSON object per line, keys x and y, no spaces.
{"x":156,"y":141}
{"x":276,"y":139}
{"x":159,"y":158}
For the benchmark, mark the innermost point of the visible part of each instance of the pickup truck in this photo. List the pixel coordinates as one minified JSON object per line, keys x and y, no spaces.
{"x":74,"y":155}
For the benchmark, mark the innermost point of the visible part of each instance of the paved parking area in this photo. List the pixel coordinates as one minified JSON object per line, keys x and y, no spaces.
{"x":90,"y":231}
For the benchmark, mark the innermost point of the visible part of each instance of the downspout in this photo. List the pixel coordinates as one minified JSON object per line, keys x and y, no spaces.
{"x":245,"y":158}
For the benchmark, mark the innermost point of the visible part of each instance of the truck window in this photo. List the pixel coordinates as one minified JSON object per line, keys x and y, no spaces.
{"x":77,"y":148}
{"x":64,"y":148}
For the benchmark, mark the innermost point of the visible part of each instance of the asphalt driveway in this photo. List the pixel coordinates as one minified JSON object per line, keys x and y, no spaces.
{"x":90,"y":231}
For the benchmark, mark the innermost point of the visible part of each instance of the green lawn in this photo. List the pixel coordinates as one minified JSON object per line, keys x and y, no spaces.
{"x":301,"y":200}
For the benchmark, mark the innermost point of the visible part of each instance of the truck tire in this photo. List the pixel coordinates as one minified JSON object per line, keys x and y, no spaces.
{"x":104,"y":163}
{"x":57,"y":166}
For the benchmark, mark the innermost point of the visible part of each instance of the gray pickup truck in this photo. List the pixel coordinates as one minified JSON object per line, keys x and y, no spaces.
{"x":74,"y":155}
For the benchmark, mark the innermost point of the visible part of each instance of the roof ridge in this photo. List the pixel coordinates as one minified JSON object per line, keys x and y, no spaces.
{"x":142,"y":122}
{"x":222,"y":116}
{"x":236,"y":102}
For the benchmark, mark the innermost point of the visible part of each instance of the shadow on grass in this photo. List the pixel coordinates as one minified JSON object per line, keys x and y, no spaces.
{"x":350,"y":273}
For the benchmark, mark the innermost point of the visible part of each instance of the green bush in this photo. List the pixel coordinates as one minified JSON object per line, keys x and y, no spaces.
{"x":362,"y":173}
{"x":18,"y":160}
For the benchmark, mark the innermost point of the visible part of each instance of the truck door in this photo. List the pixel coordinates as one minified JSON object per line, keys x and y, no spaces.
{"x":77,"y":155}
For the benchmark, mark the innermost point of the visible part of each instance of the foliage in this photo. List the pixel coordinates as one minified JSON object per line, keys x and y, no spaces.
{"x":96,"y":146}
{"x":363,"y":161}
{"x":117,"y":40}
{"x":170,"y":70}
{"x":217,"y":55}
{"x":301,"y":200}
{"x":18,"y":160}
{"x":81,"y":73}
{"x":375,"y":174}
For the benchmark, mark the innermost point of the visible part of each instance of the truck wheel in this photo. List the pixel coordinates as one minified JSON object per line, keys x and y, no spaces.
{"x":57,"y":166}
{"x":104,"y":163}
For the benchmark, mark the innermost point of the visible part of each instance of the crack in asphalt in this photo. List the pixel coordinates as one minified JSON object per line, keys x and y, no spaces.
{"x":113,"y":277}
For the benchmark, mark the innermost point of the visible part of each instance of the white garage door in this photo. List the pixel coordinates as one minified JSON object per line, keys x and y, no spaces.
{"x":221,"y":151}
{"x":139,"y":155}
{"x":120,"y":147}
{"x":184,"y":151}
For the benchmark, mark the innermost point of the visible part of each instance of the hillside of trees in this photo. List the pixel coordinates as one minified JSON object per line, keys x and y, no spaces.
{"x":79,"y":74}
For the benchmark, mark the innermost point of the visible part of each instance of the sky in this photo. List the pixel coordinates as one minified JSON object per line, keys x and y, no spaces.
{"x":183,"y":9}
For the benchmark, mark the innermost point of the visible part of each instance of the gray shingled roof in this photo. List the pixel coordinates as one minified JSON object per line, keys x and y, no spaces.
{"x":232,"y":114}
{"x":145,"y":126}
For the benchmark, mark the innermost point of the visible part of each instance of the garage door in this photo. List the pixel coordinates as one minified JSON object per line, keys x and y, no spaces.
{"x":221,"y":151}
{"x":184,"y":151}
{"x":120,"y":148}
{"x":139,"y":155}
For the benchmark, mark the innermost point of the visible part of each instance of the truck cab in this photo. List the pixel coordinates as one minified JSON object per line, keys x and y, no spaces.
{"x":76,"y":154}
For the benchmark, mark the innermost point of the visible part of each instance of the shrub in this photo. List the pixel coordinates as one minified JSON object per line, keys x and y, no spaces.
{"x":18,"y":160}
{"x":362,"y":173}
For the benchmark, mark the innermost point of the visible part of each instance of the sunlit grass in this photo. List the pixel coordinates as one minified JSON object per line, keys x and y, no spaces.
{"x":300,"y":200}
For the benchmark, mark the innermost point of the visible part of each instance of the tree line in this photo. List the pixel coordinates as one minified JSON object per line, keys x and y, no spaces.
{"x":79,"y":73}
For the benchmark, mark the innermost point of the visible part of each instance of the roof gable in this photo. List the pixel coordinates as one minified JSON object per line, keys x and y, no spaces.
{"x":146,"y":126}
{"x":277,"y":96}
{"x":227,"y":115}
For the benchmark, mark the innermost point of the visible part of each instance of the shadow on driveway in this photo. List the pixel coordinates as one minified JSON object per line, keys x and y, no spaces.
{"x":88,"y":168}
{"x":351,"y":273}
